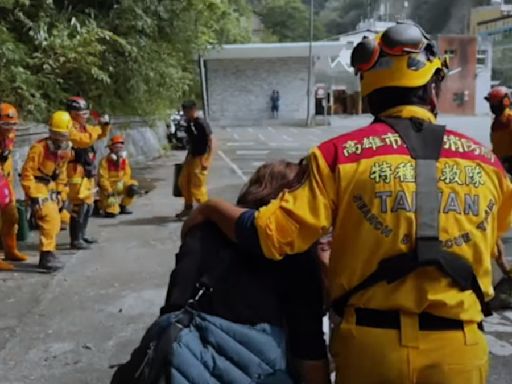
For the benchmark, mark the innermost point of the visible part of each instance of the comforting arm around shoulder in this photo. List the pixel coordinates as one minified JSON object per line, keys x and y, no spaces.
{"x":296,"y":219}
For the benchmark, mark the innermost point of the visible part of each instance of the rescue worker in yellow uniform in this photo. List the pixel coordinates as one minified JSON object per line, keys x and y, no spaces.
{"x":501,"y":129}
{"x":194,"y":174}
{"x":44,"y":180}
{"x":416,"y":212}
{"x":82,"y":169}
{"x":117,"y":188}
{"x":9,"y":121}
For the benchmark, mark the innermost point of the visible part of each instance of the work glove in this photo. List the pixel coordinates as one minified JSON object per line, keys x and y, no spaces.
{"x":105,"y":119}
{"x":112,"y":201}
{"x":35,"y":206}
{"x":119,"y":187}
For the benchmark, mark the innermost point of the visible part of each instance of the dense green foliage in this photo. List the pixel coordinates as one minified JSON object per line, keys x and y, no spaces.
{"x":287,"y":20}
{"x":125,"y":56}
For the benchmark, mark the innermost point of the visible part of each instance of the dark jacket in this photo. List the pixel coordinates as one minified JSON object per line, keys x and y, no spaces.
{"x":251,"y":290}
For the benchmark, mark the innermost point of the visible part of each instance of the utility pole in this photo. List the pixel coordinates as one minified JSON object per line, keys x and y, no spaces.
{"x":309,"y":118}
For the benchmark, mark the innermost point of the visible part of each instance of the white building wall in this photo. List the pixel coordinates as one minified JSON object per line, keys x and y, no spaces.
{"x":483,"y":77}
{"x":239,"y":89}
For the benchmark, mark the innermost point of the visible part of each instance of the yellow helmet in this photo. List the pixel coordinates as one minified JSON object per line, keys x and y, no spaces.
{"x":402,"y":56}
{"x":60,"y":122}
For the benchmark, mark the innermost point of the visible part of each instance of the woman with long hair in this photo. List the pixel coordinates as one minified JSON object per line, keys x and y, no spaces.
{"x":252,"y":290}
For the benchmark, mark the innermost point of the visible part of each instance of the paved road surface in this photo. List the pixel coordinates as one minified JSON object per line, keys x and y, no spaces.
{"x":69,"y":327}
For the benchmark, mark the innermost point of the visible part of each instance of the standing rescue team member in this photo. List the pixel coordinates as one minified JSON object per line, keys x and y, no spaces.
{"x":44,"y":180}
{"x":9,"y":121}
{"x":416,"y":212}
{"x":501,"y":128}
{"x":82,"y":169}
{"x":117,"y":188}
{"x":194,"y":174}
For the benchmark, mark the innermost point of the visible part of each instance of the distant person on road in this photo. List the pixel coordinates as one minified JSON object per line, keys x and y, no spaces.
{"x":194,"y":174}
{"x":501,"y":129}
{"x":9,"y":121}
{"x":252,"y":290}
{"x":44,"y":180}
{"x":274,"y":104}
{"x":416,"y":212}
{"x":117,"y":188}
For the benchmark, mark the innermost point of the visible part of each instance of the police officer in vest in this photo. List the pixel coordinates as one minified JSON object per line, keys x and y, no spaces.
{"x":416,"y":211}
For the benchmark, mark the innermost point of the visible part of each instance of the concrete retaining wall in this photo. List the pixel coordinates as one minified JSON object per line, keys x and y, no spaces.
{"x":143,"y":143}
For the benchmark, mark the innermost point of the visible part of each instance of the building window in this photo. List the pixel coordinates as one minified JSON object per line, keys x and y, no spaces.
{"x":450,"y":52}
{"x":481,"y":57}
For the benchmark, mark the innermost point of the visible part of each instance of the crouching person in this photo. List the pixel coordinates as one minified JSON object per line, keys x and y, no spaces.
{"x":231,"y":317}
{"x":117,"y":188}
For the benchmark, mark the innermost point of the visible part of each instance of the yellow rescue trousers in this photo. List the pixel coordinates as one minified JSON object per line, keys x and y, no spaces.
{"x":193,"y":181}
{"x":81,"y":190}
{"x":48,"y":220}
{"x":365,"y":355}
{"x":110,"y":204}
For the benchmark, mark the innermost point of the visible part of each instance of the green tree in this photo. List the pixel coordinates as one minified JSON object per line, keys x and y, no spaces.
{"x":127,"y":57}
{"x":287,"y":20}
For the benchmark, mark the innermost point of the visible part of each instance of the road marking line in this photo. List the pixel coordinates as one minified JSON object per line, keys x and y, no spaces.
{"x":249,"y":152}
{"x":287,"y":138}
{"x":236,"y":137}
{"x":297,"y":153}
{"x":508,"y":314}
{"x":498,"y":328}
{"x":284,"y":144}
{"x":294,"y":130}
{"x":261,"y":137}
{"x":228,"y":129}
{"x":251,"y":129}
{"x":270,"y":129}
{"x":239,"y":144}
{"x":232,"y":165}
{"x":258,"y":163}
{"x":499,"y":347}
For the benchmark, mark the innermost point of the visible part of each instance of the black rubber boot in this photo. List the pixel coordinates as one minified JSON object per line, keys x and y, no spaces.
{"x":85,"y":222}
{"x":75,"y":232}
{"x":96,"y":211}
{"x":124,"y":210}
{"x":49,"y":262}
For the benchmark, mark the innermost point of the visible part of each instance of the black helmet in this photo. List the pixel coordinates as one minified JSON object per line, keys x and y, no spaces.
{"x":76,"y":103}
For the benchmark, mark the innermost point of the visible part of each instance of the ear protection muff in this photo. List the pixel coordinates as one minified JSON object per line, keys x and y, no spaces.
{"x":365,"y":54}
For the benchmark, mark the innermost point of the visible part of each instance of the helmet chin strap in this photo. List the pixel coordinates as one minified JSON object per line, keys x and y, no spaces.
{"x":432,"y":95}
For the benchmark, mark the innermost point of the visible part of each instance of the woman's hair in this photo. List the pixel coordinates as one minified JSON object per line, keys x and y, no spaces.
{"x":269,"y":180}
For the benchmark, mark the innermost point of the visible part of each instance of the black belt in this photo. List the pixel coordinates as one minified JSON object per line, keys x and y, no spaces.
{"x":43,"y":179}
{"x":376,"y":318}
